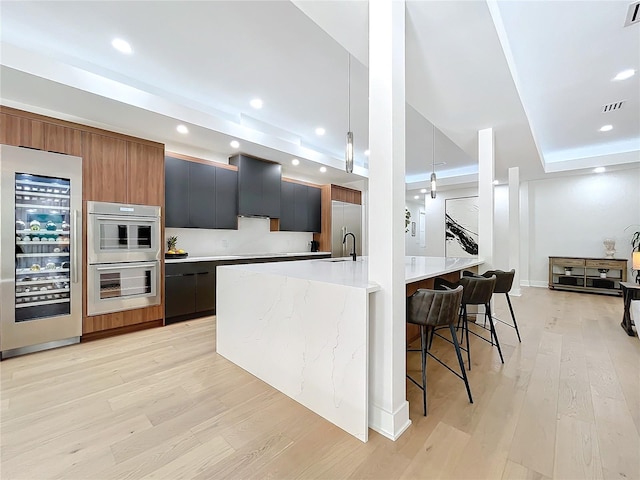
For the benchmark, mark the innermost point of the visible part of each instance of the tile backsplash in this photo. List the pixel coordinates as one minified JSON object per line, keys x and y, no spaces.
{"x":253,"y":236}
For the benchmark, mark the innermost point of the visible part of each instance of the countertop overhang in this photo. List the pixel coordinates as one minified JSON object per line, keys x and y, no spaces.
{"x":344,"y":271}
{"x":215,"y":258}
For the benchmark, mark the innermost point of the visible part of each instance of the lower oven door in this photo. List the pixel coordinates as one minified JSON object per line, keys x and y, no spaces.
{"x":113,"y":287}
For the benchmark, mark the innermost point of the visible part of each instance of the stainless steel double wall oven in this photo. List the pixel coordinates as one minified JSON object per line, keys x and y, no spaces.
{"x":123,"y":253}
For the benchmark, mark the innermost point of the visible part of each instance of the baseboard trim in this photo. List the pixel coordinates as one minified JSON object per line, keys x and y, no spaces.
{"x":389,"y":424}
{"x":87,"y":337}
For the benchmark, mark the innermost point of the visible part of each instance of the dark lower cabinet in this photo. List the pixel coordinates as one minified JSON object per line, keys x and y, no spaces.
{"x":190,"y":287}
{"x":190,"y":290}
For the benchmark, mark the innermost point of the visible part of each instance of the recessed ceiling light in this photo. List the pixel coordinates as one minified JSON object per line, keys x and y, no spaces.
{"x":323,"y":169}
{"x":182,"y":129}
{"x":295,"y":161}
{"x":256,"y":103}
{"x":417,"y":197}
{"x":320,"y":131}
{"x":424,"y":190}
{"x":234,"y":144}
{"x":496,"y":182}
{"x":366,"y":153}
{"x":623,"y":75}
{"x":599,"y":170}
{"x":122,"y":46}
{"x":606,"y":128}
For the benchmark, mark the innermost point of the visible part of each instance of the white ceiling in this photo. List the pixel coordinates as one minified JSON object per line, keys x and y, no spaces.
{"x":537,"y":72}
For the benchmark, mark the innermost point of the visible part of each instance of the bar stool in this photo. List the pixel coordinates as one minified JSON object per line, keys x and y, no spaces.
{"x":477,"y":291}
{"x":504,"y":282}
{"x":430,"y":309}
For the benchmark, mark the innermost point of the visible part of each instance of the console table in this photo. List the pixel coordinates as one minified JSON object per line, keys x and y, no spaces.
{"x":580,"y":274}
{"x":630,"y":291}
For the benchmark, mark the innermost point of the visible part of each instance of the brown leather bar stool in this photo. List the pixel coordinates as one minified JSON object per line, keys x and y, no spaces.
{"x":477,"y":291}
{"x":431,"y":309}
{"x":504,"y":282}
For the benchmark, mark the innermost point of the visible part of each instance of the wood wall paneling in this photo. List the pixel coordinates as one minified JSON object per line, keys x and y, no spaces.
{"x":145,"y":174}
{"x":104,"y":168}
{"x":126,"y":318}
{"x":324,"y":237}
{"x":21,"y":132}
{"x":61,"y":139}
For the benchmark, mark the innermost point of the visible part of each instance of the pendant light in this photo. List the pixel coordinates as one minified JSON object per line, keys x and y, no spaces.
{"x":433,"y":158}
{"x":349,"y":149}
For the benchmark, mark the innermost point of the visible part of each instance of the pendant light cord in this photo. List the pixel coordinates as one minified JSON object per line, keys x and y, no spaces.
{"x":349,"y":92}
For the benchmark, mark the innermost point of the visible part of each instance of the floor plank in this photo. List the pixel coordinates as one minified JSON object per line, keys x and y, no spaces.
{"x":161,"y":403}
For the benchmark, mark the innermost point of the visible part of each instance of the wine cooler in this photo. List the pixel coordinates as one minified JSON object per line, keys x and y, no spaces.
{"x":40,"y":218}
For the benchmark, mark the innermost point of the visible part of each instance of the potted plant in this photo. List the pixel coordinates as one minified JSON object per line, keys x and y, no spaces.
{"x":567,"y":271}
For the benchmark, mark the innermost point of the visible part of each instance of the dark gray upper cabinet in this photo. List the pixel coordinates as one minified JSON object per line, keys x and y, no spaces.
{"x":176,"y":193}
{"x":200,"y":196}
{"x":226,"y":198}
{"x":258,"y":186}
{"x":301,"y":208}
{"x":287,"y":207}
{"x":314,"y":202}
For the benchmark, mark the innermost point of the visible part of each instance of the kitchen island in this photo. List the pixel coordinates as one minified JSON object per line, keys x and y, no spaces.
{"x":303,"y":328}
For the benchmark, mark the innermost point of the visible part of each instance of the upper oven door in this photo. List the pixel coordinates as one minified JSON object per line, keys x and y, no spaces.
{"x":122,"y":238}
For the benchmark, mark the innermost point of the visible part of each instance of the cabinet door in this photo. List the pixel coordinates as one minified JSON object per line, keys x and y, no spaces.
{"x":61,"y":139}
{"x":271,"y":184}
{"x":145,"y":175}
{"x":314,"y":204}
{"x":287,"y":207}
{"x":202,"y":197}
{"x":176,"y":193}
{"x":205,"y":291}
{"x":300,"y":208}
{"x":21,"y":132}
{"x":104,"y":168}
{"x":226,"y":192}
{"x":180,"y":295}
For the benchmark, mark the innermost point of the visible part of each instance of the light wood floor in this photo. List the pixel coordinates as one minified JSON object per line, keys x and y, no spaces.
{"x":162,"y":404}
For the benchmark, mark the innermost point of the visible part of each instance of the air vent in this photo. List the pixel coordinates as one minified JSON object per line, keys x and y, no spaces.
{"x":633,"y":14}
{"x":610,"y":107}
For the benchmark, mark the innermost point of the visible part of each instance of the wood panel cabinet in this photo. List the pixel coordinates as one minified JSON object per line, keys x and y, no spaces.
{"x":595,"y":275}
{"x":63,"y":140}
{"x":145,"y":174}
{"x":200,"y":195}
{"x":104,"y":169}
{"x":21,"y":131}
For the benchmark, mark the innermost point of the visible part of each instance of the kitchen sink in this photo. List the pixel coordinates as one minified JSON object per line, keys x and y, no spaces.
{"x":341,"y":259}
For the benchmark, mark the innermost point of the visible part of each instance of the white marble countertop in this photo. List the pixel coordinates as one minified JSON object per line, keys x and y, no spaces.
{"x":420,"y":268}
{"x":344,"y":271}
{"x":214,"y":258}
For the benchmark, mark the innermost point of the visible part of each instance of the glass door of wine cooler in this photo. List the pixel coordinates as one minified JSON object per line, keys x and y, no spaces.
{"x":40,"y":219}
{"x":43,"y":246}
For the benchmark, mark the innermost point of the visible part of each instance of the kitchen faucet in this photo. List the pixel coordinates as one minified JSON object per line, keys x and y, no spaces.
{"x":344,"y":240}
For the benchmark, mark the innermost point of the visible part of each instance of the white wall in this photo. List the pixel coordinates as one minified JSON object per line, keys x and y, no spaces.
{"x":572,"y":215}
{"x":501,"y":227}
{"x":412,"y":245}
{"x":252,"y":236}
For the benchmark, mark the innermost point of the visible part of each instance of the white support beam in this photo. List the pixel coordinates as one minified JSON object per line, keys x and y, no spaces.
{"x":514,"y":227}
{"x":388,"y":407}
{"x":485,"y":197}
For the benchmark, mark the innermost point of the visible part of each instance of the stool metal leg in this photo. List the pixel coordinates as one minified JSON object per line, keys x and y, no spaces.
{"x":423,"y":351}
{"x":513,"y":317}
{"x":493,"y":331}
{"x":465,"y":328}
{"x":454,"y":337}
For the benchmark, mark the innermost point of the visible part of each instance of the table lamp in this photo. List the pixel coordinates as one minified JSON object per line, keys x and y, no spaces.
{"x":636,"y":265}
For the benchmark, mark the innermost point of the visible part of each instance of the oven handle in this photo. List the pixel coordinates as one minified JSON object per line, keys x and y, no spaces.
{"x":123,"y":267}
{"x":74,"y":266}
{"x":131,"y":218}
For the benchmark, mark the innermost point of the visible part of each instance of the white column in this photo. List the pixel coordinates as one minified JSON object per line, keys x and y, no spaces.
{"x":485,"y":197}
{"x":388,"y":407}
{"x":514,"y":227}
